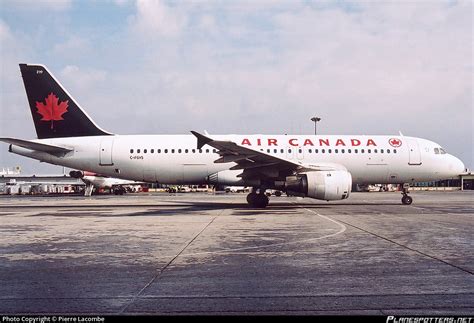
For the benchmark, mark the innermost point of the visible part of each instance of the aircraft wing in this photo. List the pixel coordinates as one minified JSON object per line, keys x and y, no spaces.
{"x":257,"y":164}
{"x":37,"y":146}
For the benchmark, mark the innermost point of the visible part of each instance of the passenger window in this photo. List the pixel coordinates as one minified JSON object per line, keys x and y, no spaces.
{"x":310,"y":151}
{"x":356,"y":151}
{"x":316,"y":151}
{"x":282,"y":151}
{"x":172,"y":151}
{"x":381,"y":151}
{"x":336,"y":151}
{"x":375,"y":150}
{"x":158,"y":151}
{"x":131,"y":151}
{"x":179,"y":151}
{"x":152,"y":151}
{"x":194,"y":150}
{"x":200,"y":151}
{"x":268,"y":151}
{"x":394,"y":151}
{"x":343,"y":151}
{"x":166,"y":151}
{"x":275,"y":150}
{"x":207,"y":150}
{"x":369,"y":151}
{"x":214,"y":150}
{"x":300,"y":151}
{"x":138,"y":151}
{"x":323,"y":151}
{"x":289,"y":151}
{"x":186,"y":151}
{"x":349,"y":151}
{"x":362,"y":151}
{"x":329,"y":151}
{"x":388,"y":151}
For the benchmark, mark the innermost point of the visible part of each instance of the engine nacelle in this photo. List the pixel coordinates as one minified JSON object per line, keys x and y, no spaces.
{"x":230,"y":177}
{"x":76,"y":174}
{"x":321,"y":185}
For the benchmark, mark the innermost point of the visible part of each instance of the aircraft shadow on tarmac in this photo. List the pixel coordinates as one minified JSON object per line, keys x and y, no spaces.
{"x":172,"y":207}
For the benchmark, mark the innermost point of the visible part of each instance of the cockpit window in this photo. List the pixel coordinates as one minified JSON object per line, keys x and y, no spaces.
{"x":439,"y":150}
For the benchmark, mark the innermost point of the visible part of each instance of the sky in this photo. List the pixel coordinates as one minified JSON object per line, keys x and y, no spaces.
{"x":246,"y":67}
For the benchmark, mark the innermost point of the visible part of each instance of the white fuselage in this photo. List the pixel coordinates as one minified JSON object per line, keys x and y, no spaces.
{"x":175,"y":159}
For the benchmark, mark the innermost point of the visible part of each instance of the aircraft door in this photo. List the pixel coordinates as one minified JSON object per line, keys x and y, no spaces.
{"x":414,"y":152}
{"x":105,"y":152}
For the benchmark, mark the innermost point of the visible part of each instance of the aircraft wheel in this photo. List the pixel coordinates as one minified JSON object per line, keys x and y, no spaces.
{"x":257,"y":200}
{"x":278,"y":193}
{"x":407,"y":200}
{"x":251,"y":198}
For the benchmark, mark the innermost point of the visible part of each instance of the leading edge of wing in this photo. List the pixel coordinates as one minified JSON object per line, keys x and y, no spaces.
{"x":37,"y":146}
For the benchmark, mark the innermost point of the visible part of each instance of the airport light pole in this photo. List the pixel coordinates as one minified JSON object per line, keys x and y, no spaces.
{"x":315,"y":120}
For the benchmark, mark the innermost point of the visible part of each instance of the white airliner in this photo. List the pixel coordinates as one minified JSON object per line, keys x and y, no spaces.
{"x":116,"y":185}
{"x":320,"y":167}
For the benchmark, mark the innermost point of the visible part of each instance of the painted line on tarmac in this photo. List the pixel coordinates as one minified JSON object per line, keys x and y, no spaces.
{"x":161,"y":270}
{"x":342,"y":229}
{"x":465,"y":270}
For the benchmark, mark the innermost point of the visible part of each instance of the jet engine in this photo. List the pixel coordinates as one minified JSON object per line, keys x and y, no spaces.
{"x":76,"y":174}
{"x":321,"y":185}
{"x":230,"y":177}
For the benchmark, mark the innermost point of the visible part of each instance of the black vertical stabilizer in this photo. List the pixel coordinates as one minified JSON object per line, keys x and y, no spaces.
{"x":55,"y":113}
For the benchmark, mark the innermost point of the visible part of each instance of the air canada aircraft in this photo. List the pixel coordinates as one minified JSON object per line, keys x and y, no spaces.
{"x":115,"y":185}
{"x":319,"y":167}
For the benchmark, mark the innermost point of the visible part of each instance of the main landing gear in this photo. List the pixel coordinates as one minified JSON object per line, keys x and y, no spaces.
{"x":257,"y":200}
{"x":407,"y":200}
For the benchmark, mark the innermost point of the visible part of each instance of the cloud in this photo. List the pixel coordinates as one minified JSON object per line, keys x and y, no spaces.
{"x":39,"y":5}
{"x":73,"y":47}
{"x":155,"y":18}
{"x":377,"y":65}
{"x":82,"y":80}
{"x":267,"y":67}
{"x":4,"y":31}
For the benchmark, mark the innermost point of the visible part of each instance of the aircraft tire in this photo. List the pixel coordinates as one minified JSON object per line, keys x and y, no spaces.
{"x":251,"y":198}
{"x":407,"y":200}
{"x":257,"y":200}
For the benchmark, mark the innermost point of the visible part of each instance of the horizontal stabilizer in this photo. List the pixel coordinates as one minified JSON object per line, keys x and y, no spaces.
{"x":37,"y":146}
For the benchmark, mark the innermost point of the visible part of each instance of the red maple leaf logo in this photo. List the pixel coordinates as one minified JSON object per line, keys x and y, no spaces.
{"x":52,"y":110}
{"x":395,"y":142}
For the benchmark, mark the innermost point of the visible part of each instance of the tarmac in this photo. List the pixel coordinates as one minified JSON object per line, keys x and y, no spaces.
{"x":199,"y":253}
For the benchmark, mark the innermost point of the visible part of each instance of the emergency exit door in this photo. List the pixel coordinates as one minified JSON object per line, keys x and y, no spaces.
{"x":105,"y":152}
{"x":414,"y":152}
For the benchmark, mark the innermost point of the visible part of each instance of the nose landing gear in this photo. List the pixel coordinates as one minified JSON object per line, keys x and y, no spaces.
{"x":259,"y":200}
{"x":406,"y":200}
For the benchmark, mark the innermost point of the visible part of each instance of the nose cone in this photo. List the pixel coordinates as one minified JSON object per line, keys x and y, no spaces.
{"x":455,"y":166}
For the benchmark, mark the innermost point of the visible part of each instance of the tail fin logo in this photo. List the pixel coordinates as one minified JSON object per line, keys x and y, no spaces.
{"x":52,"y":110}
